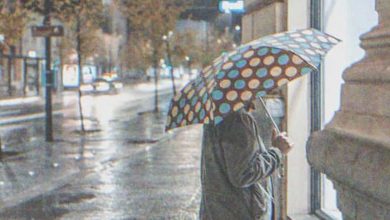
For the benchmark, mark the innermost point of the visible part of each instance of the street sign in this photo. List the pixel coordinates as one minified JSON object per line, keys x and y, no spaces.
{"x":47,"y":31}
{"x":232,"y":6}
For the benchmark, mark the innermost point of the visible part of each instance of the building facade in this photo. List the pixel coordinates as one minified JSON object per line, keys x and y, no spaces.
{"x":350,"y":157}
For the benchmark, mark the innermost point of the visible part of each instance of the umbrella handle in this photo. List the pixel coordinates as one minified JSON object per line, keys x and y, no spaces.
{"x":280,"y":172}
{"x":269,"y":115}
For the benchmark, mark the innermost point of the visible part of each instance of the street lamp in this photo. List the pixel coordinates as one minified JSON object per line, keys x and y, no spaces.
{"x":188,"y":59}
{"x":166,"y":39}
{"x":237,"y":27}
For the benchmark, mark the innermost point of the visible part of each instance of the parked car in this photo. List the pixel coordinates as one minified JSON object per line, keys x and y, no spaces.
{"x":101,"y":86}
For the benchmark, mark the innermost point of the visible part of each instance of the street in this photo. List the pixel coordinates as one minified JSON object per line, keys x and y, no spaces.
{"x":123,"y":167}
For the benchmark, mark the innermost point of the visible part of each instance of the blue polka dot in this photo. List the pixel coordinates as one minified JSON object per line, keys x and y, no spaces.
{"x":217,"y":120}
{"x":224,"y":108}
{"x":182,"y":103}
{"x":204,"y":98}
{"x":243,"y":49}
{"x":305,"y":70}
{"x":326,"y":46}
{"x":298,"y":50}
{"x":221,"y":75}
{"x":241,"y":63}
{"x":261,"y":94}
{"x":233,"y":74}
{"x":195,"y":121}
{"x":239,"y":84}
{"x":262,"y":72}
{"x":194,"y":100}
{"x":269,"y":83}
{"x":199,"y":86}
{"x":283,"y":59}
{"x":275,"y":50}
{"x":310,"y":38}
{"x":284,"y":38}
{"x":202,"y":114}
{"x":305,"y":45}
{"x":179,"y":118}
{"x":289,"y":42}
{"x":263,"y":51}
{"x":236,"y":57}
{"x":217,"y":95}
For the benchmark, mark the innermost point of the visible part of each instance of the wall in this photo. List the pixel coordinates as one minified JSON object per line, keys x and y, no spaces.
{"x":298,"y":125}
{"x":270,"y":19}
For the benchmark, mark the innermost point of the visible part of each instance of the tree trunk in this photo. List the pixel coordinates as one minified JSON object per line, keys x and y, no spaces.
{"x":155,"y":66}
{"x":78,"y":42}
{"x":10,"y":68}
{"x":171,"y":67}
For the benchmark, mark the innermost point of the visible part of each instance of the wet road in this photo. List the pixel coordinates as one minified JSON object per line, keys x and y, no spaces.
{"x":128,"y":167}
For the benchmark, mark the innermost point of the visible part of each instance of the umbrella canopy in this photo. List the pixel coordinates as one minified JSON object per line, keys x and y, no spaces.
{"x":252,"y":70}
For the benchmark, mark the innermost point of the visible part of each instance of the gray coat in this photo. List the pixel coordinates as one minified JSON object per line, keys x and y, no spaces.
{"x":235,"y":170}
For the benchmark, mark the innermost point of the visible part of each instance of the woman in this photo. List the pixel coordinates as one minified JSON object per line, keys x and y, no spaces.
{"x":236,"y":167}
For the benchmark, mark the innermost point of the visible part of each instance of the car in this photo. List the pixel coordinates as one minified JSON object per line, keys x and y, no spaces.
{"x":101,"y":86}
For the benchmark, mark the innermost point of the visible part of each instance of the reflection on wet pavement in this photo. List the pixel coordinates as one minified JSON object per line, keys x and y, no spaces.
{"x":130,"y":169}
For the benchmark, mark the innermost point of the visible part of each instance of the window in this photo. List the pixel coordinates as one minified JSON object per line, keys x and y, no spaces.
{"x":342,"y":19}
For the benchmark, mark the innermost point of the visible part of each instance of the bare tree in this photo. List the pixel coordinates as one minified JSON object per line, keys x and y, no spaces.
{"x":150,"y":20}
{"x":13,"y":20}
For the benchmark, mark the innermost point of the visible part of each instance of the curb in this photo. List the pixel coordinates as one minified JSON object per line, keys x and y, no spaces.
{"x":19,"y":101}
{"x":24,"y":118}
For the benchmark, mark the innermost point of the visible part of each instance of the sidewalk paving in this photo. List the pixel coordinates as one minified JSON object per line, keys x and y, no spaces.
{"x":43,"y":167}
{"x":40,"y":167}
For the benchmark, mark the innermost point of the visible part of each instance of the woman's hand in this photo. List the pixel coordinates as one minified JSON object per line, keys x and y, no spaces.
{"x":281,"y":141}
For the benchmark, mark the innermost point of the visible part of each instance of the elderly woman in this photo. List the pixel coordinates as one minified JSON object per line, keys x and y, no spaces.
{"x":236,"y":169}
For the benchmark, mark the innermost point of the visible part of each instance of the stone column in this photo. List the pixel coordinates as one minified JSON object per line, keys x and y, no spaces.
{"x":354,"y":148}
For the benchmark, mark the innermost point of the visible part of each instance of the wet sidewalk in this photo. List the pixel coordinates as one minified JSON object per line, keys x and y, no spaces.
{"x":106,"y":180}
{"x":124,"y":167}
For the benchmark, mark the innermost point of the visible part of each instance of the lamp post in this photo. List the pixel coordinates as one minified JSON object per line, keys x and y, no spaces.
{"x":237,"y":34}
{"x":166,"y":39}
{"x":48,"y":104}
{"x":188,"y":59}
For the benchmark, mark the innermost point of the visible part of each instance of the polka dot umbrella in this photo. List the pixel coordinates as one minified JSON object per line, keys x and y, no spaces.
{"x":250,"y":71}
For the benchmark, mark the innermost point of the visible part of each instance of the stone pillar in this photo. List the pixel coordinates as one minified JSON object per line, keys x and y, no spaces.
{"x":354,"y":148}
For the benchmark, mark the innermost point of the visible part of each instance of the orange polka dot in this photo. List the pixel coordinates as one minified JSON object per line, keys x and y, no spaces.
{"x":175,"y":110}
{"x":276,"y":71}
{"x":208,"y":105}
{"x":227,"y":65}
{"x":253,"y":84}
{"x":269,"y":60}
{"x":202,"y":91}
{"x":190,"y":94}
{"x":247,"y":72}
{"x":225,"y":83}
{"x":238,"y":106}
{"x":231,"y":95}
{"x":282,"y":82}
{"x":197,"y":106}
{"x":245,"y":96}
{"x":190,"y":116}
{"x":291,"y":71}
{"x":186,"y":108}
{"x":249,"y":54}
{"x":254,"y":62}
{"x":296,"y":59}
